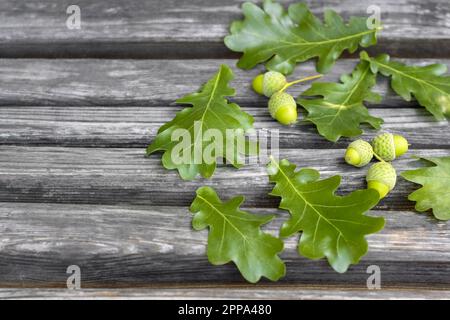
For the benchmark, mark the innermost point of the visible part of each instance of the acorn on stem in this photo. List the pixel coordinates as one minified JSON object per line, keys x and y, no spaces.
{"x":381,"y":177}
{"x":389,"y":146}
{"x":268,"y":83}
{"x":283,"y":108}
{"x":359,"y":153}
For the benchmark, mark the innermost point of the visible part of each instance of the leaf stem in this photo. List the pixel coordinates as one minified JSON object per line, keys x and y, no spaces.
{"x":287,"y":85}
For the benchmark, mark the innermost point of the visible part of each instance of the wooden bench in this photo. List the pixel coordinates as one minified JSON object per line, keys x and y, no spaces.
{"x":78,"y":107}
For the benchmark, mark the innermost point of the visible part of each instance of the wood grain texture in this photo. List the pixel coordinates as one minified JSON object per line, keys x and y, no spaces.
{"x":75,"y":187}
{"x":192,"y":28}
{"x":126,"y":176}
{"x":141,"y":246}
{"x":151,"y":83}
{"x":284,"y":293}
{"x":137,"y":126}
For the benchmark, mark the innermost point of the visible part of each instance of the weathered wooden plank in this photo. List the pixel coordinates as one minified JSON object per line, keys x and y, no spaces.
{"x":60,"y":82}
{"x":113,"y":176}
{"x":139,"y":246}
{"x":283,"y":293}
{"x":194,"y":28}
{"x":137,"y":127}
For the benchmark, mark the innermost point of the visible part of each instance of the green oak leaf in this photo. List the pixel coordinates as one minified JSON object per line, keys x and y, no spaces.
{"x":332,"y":226}
{"x":435,"y":191}
{"x":235,"y":235}
{"x":425,"y":83}
{"x":212,"y":113}
{"x":340,"y":109}
{"x":281,"y":39}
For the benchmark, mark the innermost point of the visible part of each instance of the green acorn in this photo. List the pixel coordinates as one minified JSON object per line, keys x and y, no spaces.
{"x":283,"y":108}
{"x":359,"y":153}
{"x":389,"y":146}
{"x":269,"y":83}
{"x":381,"y":177}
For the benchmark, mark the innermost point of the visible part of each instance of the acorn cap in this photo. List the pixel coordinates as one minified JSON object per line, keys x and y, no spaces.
{"x":382,"y":172}
{"x":273,"y":82}
{"x":359,"y":153}
{"x":384,"y":146}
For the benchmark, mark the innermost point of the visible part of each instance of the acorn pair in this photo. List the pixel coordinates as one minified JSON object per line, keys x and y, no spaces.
{"x":385,"y":147}
{"x":282,"y":106}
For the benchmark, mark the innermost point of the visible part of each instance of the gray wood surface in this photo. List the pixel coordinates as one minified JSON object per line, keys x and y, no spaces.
{"x":123,"y":103}
{"x":138,"y":246}
{"x":225,"y":292}
{"x":118,"y":126}
{"x":192,"y":28}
